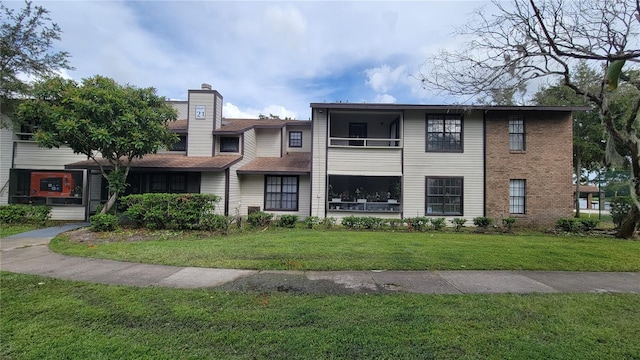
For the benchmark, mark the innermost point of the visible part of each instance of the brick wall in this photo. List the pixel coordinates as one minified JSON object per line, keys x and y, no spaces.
{"x":546,"y":165}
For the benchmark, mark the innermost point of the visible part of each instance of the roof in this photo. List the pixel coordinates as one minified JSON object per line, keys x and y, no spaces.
{"x":458,"y":107}
{"x":291,"y":164}
{"x":169,"y":162}
{"x":178,"y":125}
{"x":238,"y":126}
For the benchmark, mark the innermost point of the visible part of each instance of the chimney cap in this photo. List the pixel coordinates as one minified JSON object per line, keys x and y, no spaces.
{"x":205,"y":86}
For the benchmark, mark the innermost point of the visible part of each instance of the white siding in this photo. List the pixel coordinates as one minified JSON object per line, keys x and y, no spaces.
{"x":200,"y":139}
{"x":268,"y":142}
{"x":6,"y":157}
{"x":213,"y":183}
{"x":69,"y":213}
{"x":30,"y":156}
{"x":319,"y":163}
{"x":418,"y":164}
{"x":306,"y":139}
{"x":235,"y":191}
{"x":253,"y":195}
{"x":218,"y":114}
{"x":182,"y":108}
{"x":365,"y":161}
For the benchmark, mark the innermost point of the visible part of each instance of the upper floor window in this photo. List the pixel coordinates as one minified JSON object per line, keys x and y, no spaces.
{"x":517,"y":191}
{"x":295,"y":139}
{"x":281,"y":193}
{"x":444,"y":196}
{"x":230,"y":144}
{"x":181,"y":145}
{"x":444,"y":133}
{"x":516,"y":134}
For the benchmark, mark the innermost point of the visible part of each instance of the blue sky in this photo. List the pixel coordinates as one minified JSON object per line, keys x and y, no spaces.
{"x":262,"y":56}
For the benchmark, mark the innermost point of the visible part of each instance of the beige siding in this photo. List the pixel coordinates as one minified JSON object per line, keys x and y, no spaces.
{"x":6,"y":157}
{"x":319,"y":163}
{"x":253,"y":195}
{"x":218,"y":119}
{"x":419,"y":164}
{"x":182,"y":108}
{"x":213,"y":183}
{"x":268,"y":142}
{"x":235,"y":191}
{"x":365,"y":161}
{"x":306,"y":139}
{"x":68,"y":213}
{"x":200,"y":139}
{"x":30,"y":156}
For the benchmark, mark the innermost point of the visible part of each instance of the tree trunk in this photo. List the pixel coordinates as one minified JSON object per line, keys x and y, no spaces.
{"x":628,"y":228}
{"x":110,"y":202}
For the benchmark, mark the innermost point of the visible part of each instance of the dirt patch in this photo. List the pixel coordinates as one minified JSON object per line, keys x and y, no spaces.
{"x":86,"y":236}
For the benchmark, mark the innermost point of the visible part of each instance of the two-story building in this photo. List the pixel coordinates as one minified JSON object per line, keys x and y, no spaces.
{"x":383,"y":160}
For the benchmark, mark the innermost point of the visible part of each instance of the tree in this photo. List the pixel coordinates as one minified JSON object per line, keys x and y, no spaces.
{"x":26,"y":41}
{"x":102,"y":120}
{"x":588,"y":133}
{"x":526,"y":41}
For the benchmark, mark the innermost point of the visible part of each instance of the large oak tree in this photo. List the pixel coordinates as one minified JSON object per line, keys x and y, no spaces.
{"x":102,"y":120}
{"x":524,"y":42}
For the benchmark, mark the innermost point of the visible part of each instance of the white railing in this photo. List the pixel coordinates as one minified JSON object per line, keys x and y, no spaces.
{"x":365,"y":142}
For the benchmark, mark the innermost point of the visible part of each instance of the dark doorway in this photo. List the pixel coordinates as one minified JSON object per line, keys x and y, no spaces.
{"x":357,"y":130}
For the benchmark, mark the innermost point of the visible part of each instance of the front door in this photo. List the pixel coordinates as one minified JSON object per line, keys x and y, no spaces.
{"x":357,"y":130}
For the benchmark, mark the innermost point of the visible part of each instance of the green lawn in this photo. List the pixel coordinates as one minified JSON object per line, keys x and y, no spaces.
{"x":44,"y":318}
{"x":365,"y":250}
{"x":8,"y":230}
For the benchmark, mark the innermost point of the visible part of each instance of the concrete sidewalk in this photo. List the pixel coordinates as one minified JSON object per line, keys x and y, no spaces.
{"x":30,"y":254}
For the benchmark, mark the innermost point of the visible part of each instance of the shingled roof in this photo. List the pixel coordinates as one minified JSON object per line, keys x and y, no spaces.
{"x":290,"y":164}
{"x":238,"y":126}
{"x":169,"y":162}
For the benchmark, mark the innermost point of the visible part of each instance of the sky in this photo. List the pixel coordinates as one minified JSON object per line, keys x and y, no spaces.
{"x":264,"y":57}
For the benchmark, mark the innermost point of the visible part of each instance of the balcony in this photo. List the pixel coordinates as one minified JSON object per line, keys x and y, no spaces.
{"x":364,"y":193}
{"x":365,"y":129}
{"x":365,"y":142}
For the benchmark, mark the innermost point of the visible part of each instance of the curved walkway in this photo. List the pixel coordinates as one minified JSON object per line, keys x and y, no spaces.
{"x":28,"y":253}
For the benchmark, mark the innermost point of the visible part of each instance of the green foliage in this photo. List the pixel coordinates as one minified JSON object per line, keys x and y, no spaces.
{"x":419,"y":223}
{"x":458,"y":223}
{"x":24,"y":214}
{"x":104,"y":222}
{"x":101,"y":119}
{"x":482,"y":222}
{"x":215,"y":222}
{"x":509,"y":223}
{"x":328,"y":222}
{"x":363,"y":222}
{"x":169,"y":211}
{"x":570,"y":225}
{"x":287,"y":221}
{"x":620,"y":207}
{"x":437,"y":223}
{"x":311,"y":221}
{"x":589,"y":225}
{"x":259,"y":219}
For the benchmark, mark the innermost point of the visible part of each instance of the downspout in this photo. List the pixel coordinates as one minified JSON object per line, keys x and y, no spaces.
{"x":226,"y":191}
{"x":484,"y":162}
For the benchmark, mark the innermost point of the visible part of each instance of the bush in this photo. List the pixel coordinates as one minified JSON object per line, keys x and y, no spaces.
{"x":24,"y":214}
{"x":215,"y":222}
{"x":509,"y":223}
{"x":364,"y":222}
{"x":311,"y":221}
{"x":288,"y":221}
{"x":589,"y":225}
{"x":104,"y":222}
{"x":482,"y":222}
{"x":418,"y":223}
{"x":328,"y":222}
{"x":570,"y":225}
{"x":458,"y":223}
{"x":259,"y":219}
{"x":437,"y":223}
{"x":620,"y":207}
{"x":169,"y":211}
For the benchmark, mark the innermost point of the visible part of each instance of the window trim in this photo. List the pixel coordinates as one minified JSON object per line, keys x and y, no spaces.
{"x":426,"y":196}
{"x":523,"y":134}
{"x":266,"y":181}
{"x":523,"y":196}
{"x":444,"y":117}
{"x":237,"y":144}
{"x":295,"y":132}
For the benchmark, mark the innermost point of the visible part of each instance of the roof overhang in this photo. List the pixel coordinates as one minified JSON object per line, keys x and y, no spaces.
{"x":166,"y":162}
{"x":458,"y":108}
{"x":290,"y":164}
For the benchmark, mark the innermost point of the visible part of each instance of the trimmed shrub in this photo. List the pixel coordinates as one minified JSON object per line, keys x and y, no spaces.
{"x":169,"y":211}
{"x":570,"y":225}
{"x":458,"y":223}
{"x":363,"y":222}
{"x":418,"y":223}
{"x":620,"y":207}
{"x":104,"y":222}
{"x":259,"y":219}
{"x":589,"y":225}
{"x":509,"y":223}
{"x":437,"y":223}
{"x":311,"y":221}
{"x":215,"y":222}
{"x":482,"y":222}
{"x":328,"y":222}
{"x":24,"y":214}
{"x":288,"y":221}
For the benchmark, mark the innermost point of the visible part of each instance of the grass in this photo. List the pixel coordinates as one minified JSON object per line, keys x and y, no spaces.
{"x":8,"y":230}
{"x":45,"y":318}
{"x":303,"y":249}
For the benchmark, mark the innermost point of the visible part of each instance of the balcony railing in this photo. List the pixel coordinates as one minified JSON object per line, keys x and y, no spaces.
{"x":363,"y":206}
{"x":365,"y":142}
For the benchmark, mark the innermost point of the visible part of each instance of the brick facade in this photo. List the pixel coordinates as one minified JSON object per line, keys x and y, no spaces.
{"x":545,"y":164}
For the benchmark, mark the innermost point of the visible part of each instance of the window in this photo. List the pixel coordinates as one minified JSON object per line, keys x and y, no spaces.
{"x":181,"y":145}
{"x":444,"y":196}
{"x":517,"y":193}
{"x":281,"y":193}
{"x":444,"y":133}
{"x":158,"y":183}
{"x":295,"y":139}
{"x":229,"y":144}
{"x":516,"y":134}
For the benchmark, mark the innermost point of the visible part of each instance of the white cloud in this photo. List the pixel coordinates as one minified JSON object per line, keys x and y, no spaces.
{"x":384,"y":78}
{"x":231,"y":111}
{"x":385,"y":99}
{"x":279,"y":110}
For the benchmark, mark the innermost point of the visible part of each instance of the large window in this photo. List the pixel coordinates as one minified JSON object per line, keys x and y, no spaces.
{"x":444,"y":133}
{"x":46,"y":187}
{"x":167,"y":183}
{"x":516,"y":134}
{"x":230,"y":144}
{"x":517,"y":192}
{"x":281,"y":193}
{"x":295,"y":139}
{"x":444,"y":196}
